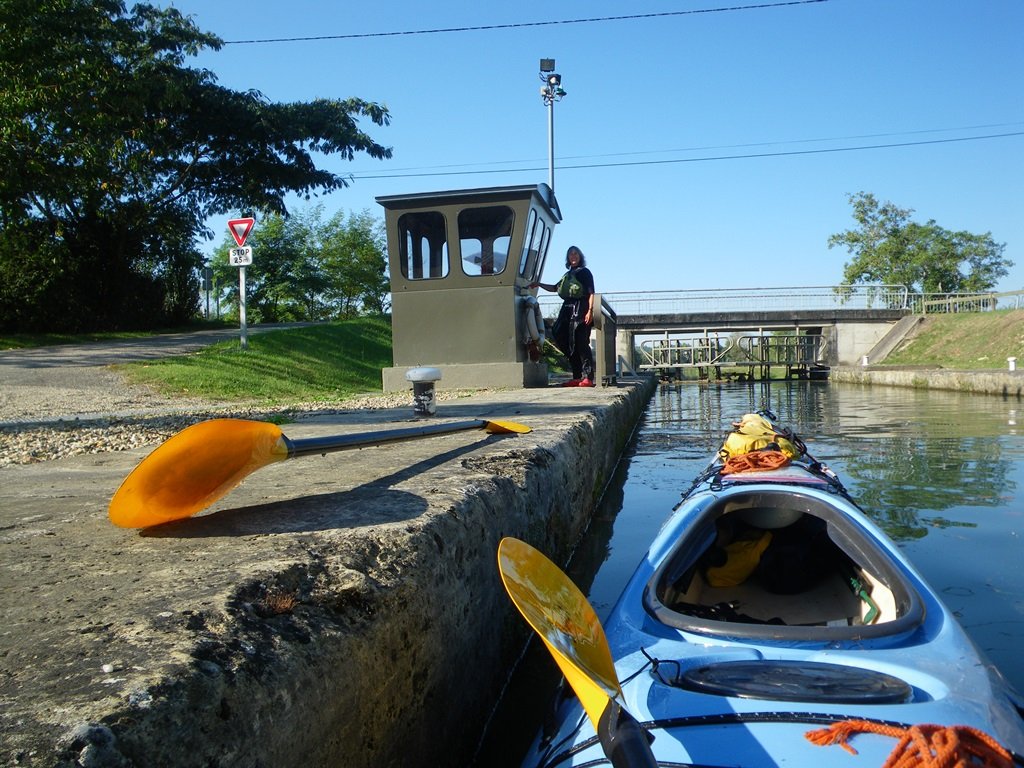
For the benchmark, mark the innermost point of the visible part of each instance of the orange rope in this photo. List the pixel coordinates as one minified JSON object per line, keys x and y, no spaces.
{"x":755,"y":461}
{"x":922,"y":746}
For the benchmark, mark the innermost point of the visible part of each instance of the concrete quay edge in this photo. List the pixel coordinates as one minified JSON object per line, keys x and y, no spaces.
{"x":337,"y":610}
{"x":990,"y":382}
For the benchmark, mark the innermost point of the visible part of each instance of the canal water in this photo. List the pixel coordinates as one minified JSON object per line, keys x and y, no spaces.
{"x":941,"y":472}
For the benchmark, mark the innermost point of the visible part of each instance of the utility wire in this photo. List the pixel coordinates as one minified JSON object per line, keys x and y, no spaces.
{"x":520,"y":25}
{"x":705,"y":148}
{"x":791,"y":153}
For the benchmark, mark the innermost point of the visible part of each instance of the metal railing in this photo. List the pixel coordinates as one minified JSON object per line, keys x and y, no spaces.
{"x":632,"y":303}
{"x":944,"y":303}
{"x":791,"y":350}
{"x":628,"y":303}
{"x":744,"y":299}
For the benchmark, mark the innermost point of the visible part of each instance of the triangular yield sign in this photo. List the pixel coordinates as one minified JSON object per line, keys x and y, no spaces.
{"x":240,"y":229}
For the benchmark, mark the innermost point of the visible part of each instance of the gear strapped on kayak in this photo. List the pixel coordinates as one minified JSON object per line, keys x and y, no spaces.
{"x":757,"y":432}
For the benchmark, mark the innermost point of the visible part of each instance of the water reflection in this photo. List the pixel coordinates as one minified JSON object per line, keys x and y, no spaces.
{"x":904,"y":452}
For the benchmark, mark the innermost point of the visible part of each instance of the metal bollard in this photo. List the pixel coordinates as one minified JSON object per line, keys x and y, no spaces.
{"x":423,"y":403}
{"x":1012,"y":362}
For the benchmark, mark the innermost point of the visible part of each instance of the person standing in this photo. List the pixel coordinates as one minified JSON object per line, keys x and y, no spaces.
{"x":572,"y":328}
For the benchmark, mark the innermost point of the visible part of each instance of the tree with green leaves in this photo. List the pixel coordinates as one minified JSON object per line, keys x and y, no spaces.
{"x":307,"y":268}
{"x":113,"y":152}
{"x":889,"y":248}
{"x":283,"y":283}
{"x":354,"y":255}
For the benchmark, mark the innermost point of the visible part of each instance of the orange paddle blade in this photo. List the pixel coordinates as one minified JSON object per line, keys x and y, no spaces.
{"x":193,"y":469}
{"x":563,"y":617}
{"x":505,"y":427}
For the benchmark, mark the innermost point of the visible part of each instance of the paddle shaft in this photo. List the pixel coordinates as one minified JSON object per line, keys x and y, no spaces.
{"x":624,"y":741}
{"x":310,"y":446}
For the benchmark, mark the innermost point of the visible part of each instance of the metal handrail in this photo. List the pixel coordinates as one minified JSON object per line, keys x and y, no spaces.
{"x":627,"y":303}
{"x":747,"y":350}
{"x":826,"y":297}
{"x":967,"y":302}
{"x":786,"y":298}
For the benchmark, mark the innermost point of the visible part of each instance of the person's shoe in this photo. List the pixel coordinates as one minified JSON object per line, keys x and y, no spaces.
{"x":586,"y":383}
{"x":571,"y":383}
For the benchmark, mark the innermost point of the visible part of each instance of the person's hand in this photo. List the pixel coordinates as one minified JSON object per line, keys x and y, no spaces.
{"x":533,"y":285}
{"x":589,"y":317}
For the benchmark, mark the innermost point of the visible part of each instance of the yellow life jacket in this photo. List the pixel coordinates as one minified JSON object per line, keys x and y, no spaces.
{"x":754,"y":432}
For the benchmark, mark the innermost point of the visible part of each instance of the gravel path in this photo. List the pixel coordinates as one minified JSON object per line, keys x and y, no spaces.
{"x":64,"y":401}
{"x":59,"y":422}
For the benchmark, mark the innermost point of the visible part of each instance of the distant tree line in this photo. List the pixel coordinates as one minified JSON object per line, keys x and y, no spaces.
{"x":888,"y":247}
{"x":113,"y":154}
{"x":308,"y":268}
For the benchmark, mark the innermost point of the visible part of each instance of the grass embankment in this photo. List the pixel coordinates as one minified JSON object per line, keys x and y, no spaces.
{"x":964,"y":341}
{"x":317,"y":363}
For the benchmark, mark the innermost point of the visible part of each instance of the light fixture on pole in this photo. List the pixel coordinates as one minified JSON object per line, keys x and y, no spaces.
{"x":551,"y":92}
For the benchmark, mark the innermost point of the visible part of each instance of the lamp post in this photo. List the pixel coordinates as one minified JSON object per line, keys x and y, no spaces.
{"x":551,"y":92}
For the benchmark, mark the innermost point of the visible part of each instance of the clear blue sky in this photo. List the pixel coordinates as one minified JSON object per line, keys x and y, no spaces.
{"x":703,"y":134}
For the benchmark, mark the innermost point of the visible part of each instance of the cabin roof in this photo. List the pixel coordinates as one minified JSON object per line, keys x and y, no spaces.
{"x":542,"y":192}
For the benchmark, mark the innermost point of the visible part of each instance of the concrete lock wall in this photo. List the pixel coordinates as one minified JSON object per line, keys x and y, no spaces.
{"x":331,"y":611}
{"x":988,"y":382}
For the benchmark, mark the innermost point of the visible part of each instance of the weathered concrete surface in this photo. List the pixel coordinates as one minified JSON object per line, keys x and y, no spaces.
{"x":990,"y":382}
{"x":894,"y":337}
{"x":331,"y":611}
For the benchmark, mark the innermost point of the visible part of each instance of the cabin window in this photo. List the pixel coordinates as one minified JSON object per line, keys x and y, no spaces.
{"x":524,"y":260}
{"x":542,"y":251}
{"x":538,"y":236}
{"x":484,"y":238}
{"x":423,"y":242}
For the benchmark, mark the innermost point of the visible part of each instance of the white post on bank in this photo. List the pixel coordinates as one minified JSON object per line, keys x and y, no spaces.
{"x":244,"y":330}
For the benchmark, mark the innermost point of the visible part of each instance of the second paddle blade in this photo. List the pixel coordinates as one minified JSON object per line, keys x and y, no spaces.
{"x":503,"y":427}
{"x":557,"y":611}
{"x":194,"y":468}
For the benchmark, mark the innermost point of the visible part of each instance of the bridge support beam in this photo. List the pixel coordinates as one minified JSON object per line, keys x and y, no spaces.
{"x":854,"y":340}
{"x":624,"y":341}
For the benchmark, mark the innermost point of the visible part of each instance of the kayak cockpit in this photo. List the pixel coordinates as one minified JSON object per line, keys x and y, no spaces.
{"x":778,"y":563}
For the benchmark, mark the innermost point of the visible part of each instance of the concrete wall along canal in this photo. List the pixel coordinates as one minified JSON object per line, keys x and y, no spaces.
{"x":983,"y":382}
{"x":331,"y":611}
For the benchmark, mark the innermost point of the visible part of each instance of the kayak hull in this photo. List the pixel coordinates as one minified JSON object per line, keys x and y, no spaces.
{"x":730,"y":674}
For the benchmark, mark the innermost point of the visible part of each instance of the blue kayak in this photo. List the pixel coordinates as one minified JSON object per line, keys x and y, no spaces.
{"x":772,"y":623}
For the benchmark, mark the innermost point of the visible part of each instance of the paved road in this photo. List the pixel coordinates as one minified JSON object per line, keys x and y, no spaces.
{"x":99,"y":353}
{"x":74,"y":380}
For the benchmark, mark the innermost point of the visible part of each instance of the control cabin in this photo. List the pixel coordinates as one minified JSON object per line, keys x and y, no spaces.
{"x":460,"y":263}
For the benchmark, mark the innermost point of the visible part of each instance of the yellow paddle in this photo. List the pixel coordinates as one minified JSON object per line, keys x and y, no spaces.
{"x":563,"y":618}
{"x":192,"y":469}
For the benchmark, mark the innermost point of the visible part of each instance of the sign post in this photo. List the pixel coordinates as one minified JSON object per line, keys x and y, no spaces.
{"x":240,"y":257}
{"x":207,"y":284}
